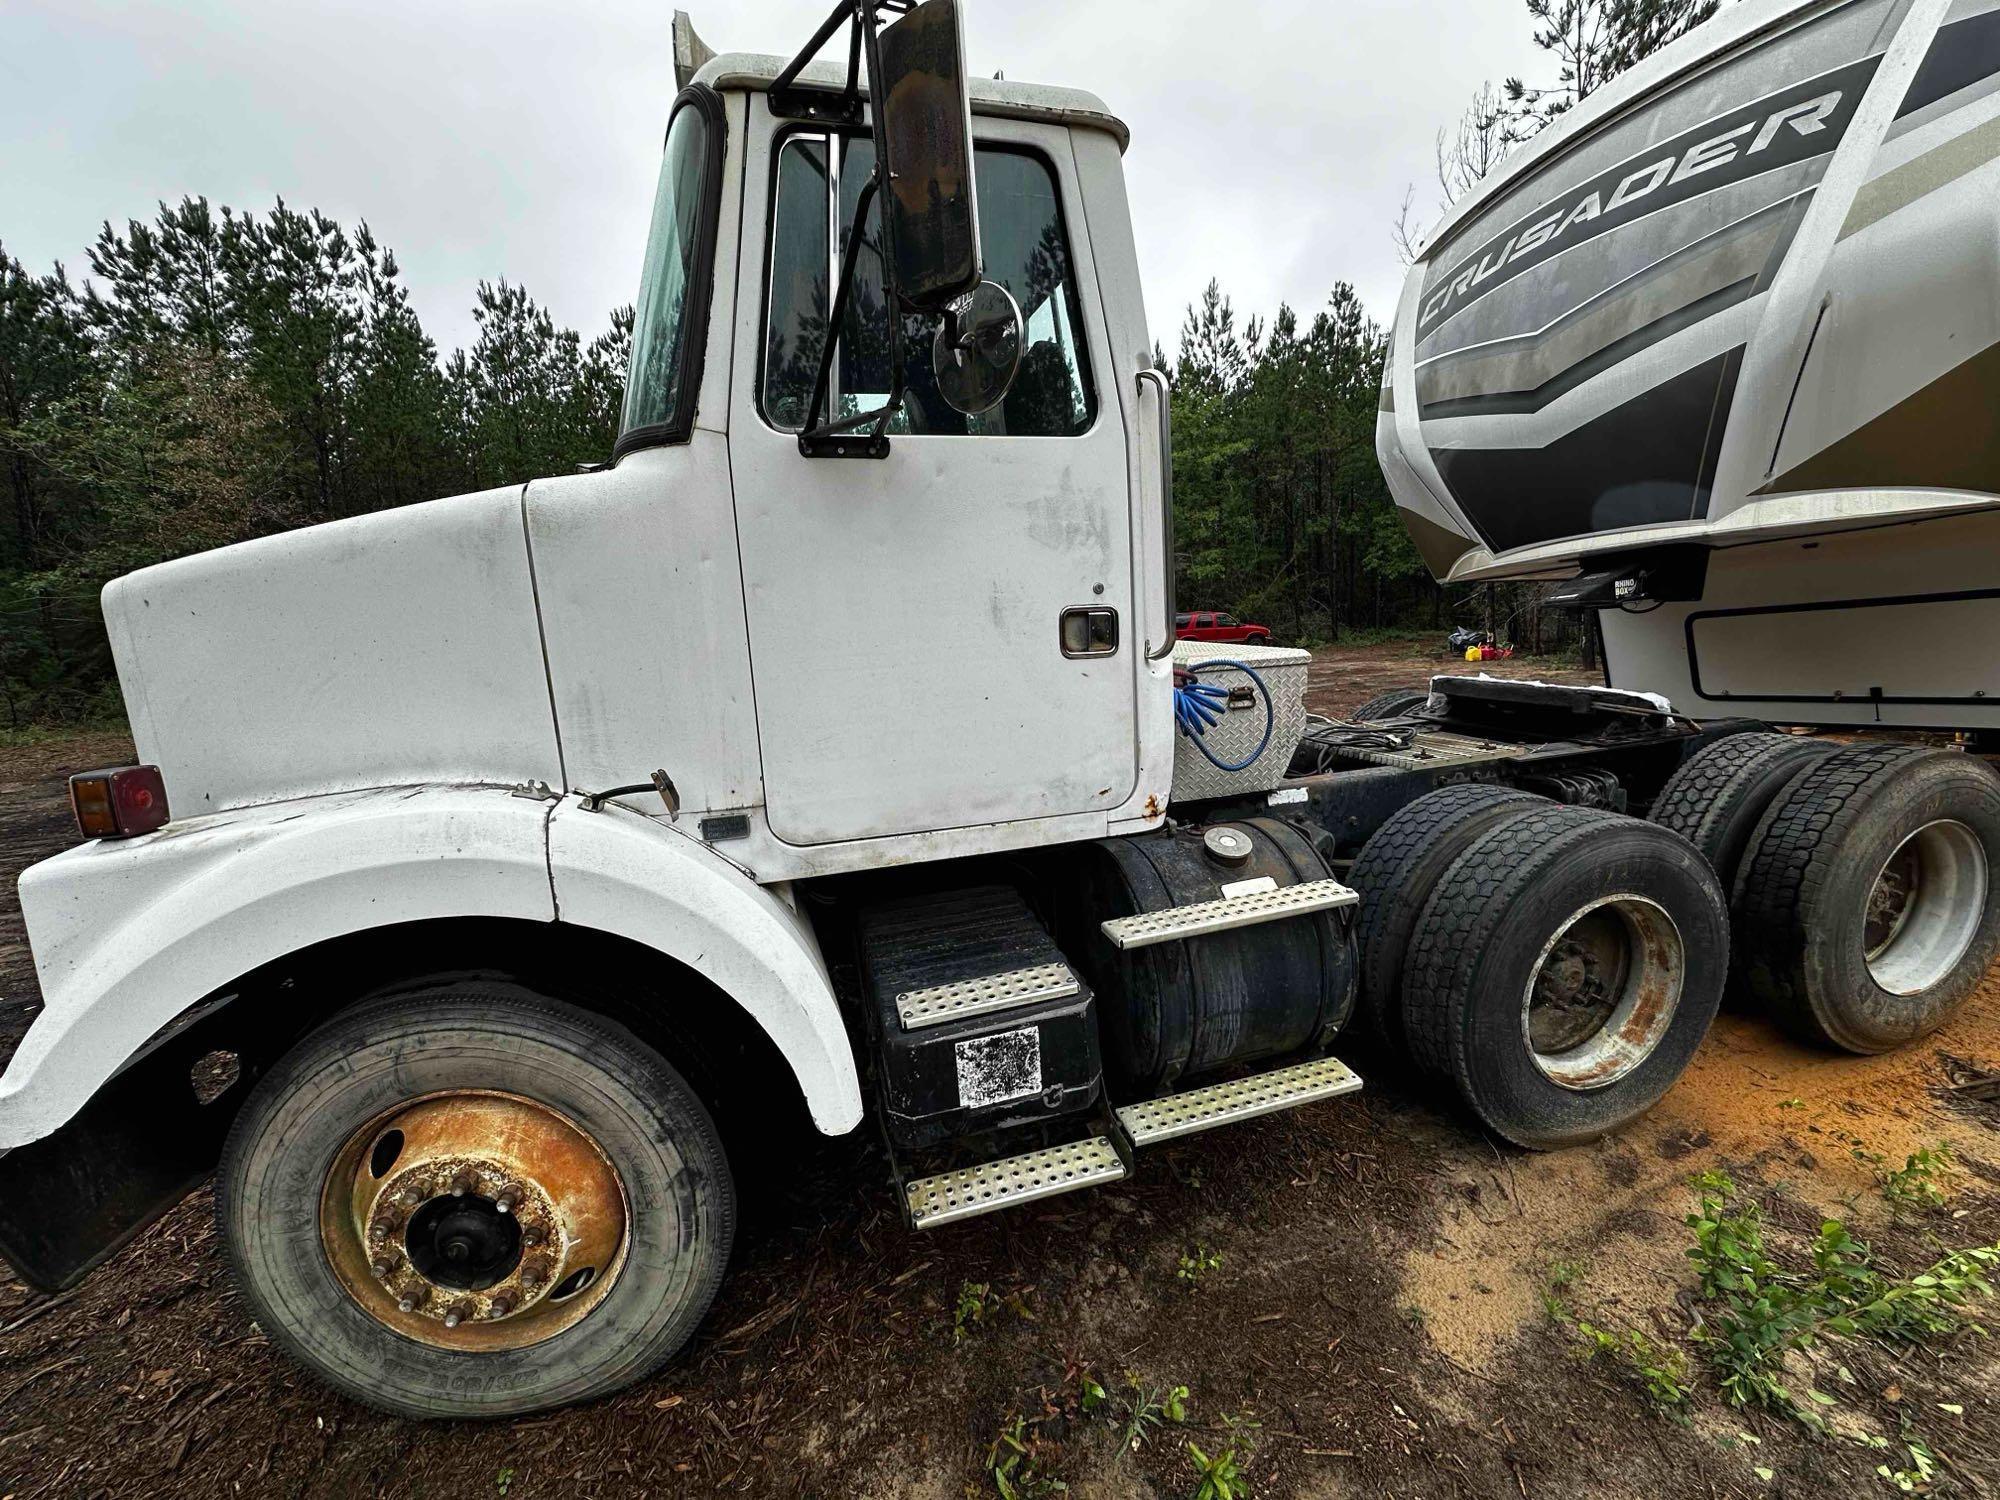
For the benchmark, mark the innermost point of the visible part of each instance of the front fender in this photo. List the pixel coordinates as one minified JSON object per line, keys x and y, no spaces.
{"x":623,"y":872}
{"x":128,"y":935}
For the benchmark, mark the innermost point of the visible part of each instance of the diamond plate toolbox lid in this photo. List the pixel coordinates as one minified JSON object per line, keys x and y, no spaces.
{"x":1284,"y":670}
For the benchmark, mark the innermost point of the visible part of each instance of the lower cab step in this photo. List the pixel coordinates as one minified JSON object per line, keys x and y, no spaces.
{"x":968,"y":1192}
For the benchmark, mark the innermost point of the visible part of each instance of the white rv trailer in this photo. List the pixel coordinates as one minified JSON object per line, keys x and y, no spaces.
{"x":1725,"y":341}
{"x":505,"y":870}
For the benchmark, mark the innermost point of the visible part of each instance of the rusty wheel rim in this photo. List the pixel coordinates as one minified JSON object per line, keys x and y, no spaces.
{"x":1603,"y":993}
{"x":474,"y":1220}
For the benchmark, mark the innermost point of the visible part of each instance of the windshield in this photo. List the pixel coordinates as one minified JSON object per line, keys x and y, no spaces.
{"x":656,"y":389}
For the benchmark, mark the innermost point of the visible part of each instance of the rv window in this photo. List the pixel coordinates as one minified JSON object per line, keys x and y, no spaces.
{"x":1027,"y":251}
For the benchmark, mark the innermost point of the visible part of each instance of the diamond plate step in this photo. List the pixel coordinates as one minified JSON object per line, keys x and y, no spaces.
{"x":970,"y":1191}
{"x":1221,"y":1103}
{"x":976,"y":997}
{"x":1247,"y":910}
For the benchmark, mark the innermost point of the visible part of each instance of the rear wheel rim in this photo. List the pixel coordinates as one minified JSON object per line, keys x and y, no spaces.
{"x":1925,"y":907}
{"x":1603,"y":992}
{"x":474,"y":1221}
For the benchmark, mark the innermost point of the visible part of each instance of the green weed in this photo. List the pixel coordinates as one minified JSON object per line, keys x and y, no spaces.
{"x":1220,"y":1477}
{"x":1661,"y":1368}
{"x":978,"y":1302}
{"x":1013,"y":1459}
{"x":1761,"y":1311}
{"x":1915,"y":1185}
{"x":975,"y":1301}
{"x":1197,"y":1263}
{"x":1922,"y":1472}
{"x":1149,"y":1408}
{"x":1563,"y":1274}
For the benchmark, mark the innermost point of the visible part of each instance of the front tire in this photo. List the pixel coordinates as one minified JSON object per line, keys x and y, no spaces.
{"x":474,"y":1201}
{"x":1564,"y":972}
{"x":1866,"y":903}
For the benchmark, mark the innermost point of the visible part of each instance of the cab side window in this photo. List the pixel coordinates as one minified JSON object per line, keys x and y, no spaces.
{"x":819,"y":181}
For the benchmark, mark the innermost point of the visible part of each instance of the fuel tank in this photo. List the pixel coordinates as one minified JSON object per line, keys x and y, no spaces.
{"x":1747,"y":292}
{"x":1179,"y":1009}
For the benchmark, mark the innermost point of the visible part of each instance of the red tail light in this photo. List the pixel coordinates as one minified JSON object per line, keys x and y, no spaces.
{"x":119,"y":803}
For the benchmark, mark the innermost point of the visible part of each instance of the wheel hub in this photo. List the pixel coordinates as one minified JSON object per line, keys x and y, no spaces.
{"x":1925,"y":907}
{"x":474,"y":1220}
{"x":1604,"y":992}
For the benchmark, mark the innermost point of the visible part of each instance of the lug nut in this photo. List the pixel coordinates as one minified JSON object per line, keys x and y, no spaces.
{"x":455,"y":1316}
{"x":463,"y":1183}
{"x":383,"y":1266}
{"x":533,"y":1238}
{"x":410,"y":1301}
{"x":380,"y":1231}
{"x":410,"y":1196}
{"x":502,"y":1305}
{"x":508,"y":1200}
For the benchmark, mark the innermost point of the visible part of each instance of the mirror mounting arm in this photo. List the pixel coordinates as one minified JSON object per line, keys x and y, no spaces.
{"x":788,"y":98}
{"x":821,"y":436}
{"x":842,"y":439}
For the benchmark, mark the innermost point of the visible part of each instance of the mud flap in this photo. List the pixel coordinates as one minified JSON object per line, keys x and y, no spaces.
{"x":73,"y":1199}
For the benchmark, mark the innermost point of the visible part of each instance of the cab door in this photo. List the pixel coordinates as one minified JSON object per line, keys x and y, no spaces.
{"x":906,"y":615}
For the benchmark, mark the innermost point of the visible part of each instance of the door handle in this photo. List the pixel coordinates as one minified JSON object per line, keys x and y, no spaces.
{"x":1154,"y":378}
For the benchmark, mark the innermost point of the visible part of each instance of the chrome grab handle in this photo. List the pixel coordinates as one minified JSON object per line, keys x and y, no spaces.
{"x":1159,"y":381}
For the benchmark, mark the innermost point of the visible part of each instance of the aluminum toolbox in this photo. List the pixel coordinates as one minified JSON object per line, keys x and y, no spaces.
{"x":1283,"y":670}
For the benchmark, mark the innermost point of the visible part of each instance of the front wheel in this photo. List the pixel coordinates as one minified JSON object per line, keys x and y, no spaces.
{"x":473,"y":1201}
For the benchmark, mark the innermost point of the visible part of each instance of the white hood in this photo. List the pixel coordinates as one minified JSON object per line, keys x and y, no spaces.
{"x":396,"y":648}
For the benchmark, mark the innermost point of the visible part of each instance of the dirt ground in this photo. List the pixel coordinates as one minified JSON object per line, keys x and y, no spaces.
{"x":1378,"y":1309}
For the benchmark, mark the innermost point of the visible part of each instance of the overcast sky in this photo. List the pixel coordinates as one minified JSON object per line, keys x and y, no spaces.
{"x":1271,"y":139}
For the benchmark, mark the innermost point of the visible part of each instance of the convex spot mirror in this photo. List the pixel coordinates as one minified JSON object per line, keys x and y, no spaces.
{"x":977,"y":351}
{"x":926,"y":123}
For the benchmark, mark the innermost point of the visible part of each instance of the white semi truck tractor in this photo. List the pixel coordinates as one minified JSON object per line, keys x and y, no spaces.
{"x":503,"y":871}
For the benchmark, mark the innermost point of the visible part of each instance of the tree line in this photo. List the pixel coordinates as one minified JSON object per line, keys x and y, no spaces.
{"x":222,"y":375}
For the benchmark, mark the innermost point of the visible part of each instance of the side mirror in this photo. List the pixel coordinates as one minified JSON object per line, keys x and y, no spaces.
{"x":929,"y":218}
{"x":925,"y":120}
{"x":977,"y":351}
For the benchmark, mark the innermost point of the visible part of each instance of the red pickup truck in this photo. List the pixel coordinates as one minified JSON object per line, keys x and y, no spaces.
{"x":1213,"y":625}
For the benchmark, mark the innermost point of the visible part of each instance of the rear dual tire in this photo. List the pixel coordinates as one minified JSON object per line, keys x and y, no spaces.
{"x":1865,"y":908}
{"x":1391,"y":705}
{"x":1557,"y":966}
{"x":1563,"y":973}
{"x":1718,"y":796}
{"x":1395,"y":873}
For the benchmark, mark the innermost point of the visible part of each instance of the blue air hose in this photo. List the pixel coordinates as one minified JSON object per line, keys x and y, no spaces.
{"x":1199,"y":706}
